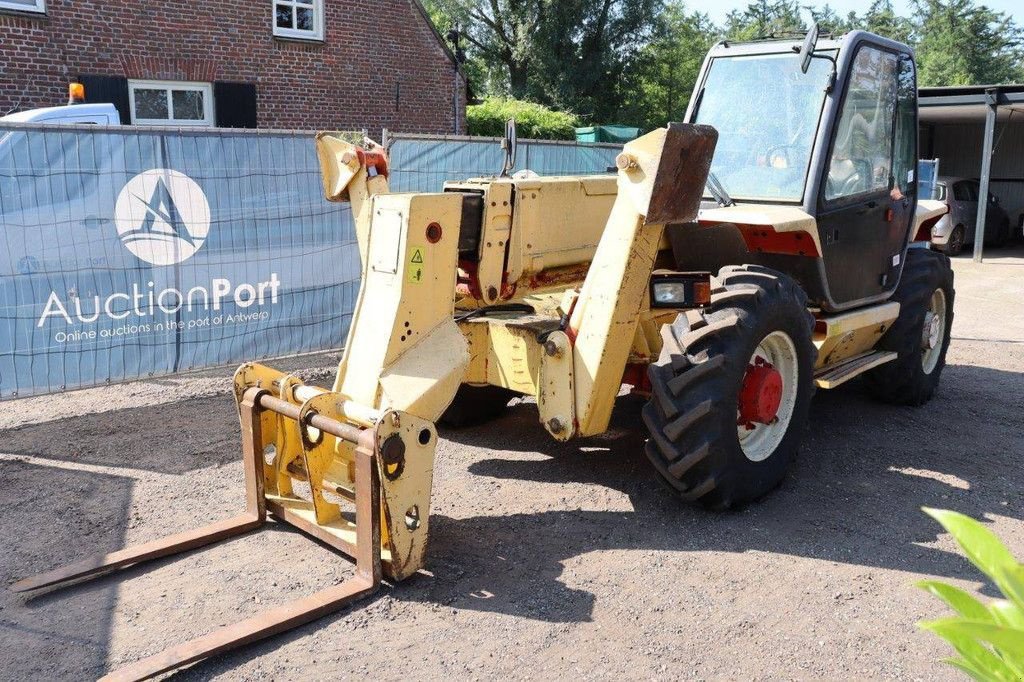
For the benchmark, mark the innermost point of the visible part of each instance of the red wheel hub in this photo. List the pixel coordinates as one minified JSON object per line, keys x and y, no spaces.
{"x":760,"y":394}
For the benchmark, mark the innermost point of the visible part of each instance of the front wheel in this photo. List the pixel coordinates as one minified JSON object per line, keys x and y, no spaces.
{"x":731,"y":390}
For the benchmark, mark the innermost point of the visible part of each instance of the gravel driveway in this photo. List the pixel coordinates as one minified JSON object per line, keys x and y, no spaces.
{"x":547,"y":560}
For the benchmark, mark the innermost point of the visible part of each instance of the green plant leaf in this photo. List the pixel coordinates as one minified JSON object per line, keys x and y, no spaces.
{"x":959,"y":633}
{"x":1006,"y":613}
{"x":970,"y":670}
{"x":1011,"y":582}
{"x":958,"y":600}
{"x":965,"y":636}
{"x":981,"y":545}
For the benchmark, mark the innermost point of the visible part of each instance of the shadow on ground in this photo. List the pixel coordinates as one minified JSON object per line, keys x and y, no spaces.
{"x":156,"y":441}
{"x":35,"y":639}
{"x":853,"y":497}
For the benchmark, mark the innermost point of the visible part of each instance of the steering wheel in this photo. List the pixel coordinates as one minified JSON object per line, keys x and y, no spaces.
{"x":780,"y":150}
{"x":848,"y":187}
{"x":851,"y":185}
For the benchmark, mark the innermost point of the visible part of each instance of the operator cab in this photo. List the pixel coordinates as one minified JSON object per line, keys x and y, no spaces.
{"x":814,"y":170}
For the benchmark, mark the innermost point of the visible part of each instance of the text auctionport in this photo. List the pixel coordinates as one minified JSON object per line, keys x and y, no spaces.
{"x":147,"y":301}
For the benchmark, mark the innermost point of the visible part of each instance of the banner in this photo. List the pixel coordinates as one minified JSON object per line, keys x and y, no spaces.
{"x":131,"y":253}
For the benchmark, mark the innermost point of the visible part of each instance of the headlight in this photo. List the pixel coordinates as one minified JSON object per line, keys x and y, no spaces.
{"x":670,"y":293}
{"x":680,"y":290}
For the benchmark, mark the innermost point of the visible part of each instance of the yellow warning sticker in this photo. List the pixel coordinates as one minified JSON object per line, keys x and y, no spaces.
{"x":415,"y":265}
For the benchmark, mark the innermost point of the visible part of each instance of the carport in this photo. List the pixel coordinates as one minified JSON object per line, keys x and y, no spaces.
{"x":977,"y":131}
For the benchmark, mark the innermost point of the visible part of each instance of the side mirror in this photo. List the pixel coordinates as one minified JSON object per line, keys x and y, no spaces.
{"x":807,"y":49}
{"x":509,"y":144}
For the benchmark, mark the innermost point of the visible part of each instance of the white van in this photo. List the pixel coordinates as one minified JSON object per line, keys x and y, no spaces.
{"x":77,"y":203}
{"x":96,"y":114}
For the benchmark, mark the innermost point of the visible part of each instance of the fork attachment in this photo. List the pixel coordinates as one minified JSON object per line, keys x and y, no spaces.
{"x":352,"y":467}
{"x":355,"y":532}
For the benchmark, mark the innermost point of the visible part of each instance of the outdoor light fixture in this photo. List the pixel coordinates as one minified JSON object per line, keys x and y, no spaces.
{"x":76,"y":93}
{"x":680,"y":290}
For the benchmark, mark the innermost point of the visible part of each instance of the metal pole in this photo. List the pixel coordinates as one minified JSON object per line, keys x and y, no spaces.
{"x":991,"y":107}
{"x":455,"y":99}
{"x":458,"y":57}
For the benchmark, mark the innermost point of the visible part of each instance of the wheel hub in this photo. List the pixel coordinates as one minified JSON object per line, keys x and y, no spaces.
{"x":760,"y":394}
{"x":932,"y":330}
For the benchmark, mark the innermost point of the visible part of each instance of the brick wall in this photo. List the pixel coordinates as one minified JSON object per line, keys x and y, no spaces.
{"x":380,"y":65}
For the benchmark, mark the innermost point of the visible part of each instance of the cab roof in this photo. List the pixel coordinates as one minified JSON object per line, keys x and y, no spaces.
{"x":727,"y":48}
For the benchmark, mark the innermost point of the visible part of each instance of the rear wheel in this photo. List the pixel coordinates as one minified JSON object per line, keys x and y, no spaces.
{"x":920,"y":335}
{"x":731,"y":390}
{"x":956,"y":241}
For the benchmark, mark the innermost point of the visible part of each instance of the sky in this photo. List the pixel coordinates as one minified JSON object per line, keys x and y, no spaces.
{"x":720,"y":8}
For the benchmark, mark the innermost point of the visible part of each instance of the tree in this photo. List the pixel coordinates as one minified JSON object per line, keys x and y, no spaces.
{"x":478,"y":73}
{"x":572,"y":54}
{"x":764,"y":19}
{"x":636,"y":61}
{"x":499,"y":36}
{"x":667,"y":67}
{"x":882,"y":19}
{"x":830,"y":22}
{"x":589,"y":53}
{"x":961,"y":43}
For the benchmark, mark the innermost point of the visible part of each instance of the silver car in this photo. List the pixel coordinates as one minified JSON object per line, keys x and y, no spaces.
{"x":956,"y":228}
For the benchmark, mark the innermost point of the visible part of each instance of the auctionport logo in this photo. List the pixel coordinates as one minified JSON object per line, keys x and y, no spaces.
{"x":162,"y":216}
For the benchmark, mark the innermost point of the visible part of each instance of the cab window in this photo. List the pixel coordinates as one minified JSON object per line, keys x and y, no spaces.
{"x":861,"y":161}
{"x":905,"y":154}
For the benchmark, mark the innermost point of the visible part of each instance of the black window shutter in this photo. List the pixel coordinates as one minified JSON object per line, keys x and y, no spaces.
{"x":112,"y":89}
{"x":234,"y":105}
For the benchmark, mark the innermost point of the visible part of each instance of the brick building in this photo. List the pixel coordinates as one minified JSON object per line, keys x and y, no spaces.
{"x":307,"y":64}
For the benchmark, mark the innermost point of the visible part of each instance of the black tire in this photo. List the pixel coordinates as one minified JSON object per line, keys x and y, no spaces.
{"x":474,"y":405}
{"x":956,"y":241}
{"x":905,"y":380}
{"x":696,"y":383}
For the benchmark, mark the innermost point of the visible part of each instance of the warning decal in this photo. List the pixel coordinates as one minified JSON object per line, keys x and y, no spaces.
{"x":415,"y":265}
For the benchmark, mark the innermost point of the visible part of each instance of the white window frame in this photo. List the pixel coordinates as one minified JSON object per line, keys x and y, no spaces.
{"x":168,"y":86}
{"x":38,"y":6}
{"x":294,"y":33}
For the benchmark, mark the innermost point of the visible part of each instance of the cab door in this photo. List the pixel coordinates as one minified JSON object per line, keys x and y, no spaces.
{"x":868,"y":192}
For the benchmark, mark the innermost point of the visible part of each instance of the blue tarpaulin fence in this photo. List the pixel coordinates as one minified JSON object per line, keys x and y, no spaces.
{"x":425,"y":163}
{"x":132,"y":252}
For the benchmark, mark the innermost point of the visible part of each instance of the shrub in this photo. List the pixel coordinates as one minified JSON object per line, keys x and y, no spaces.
{"x":988,"y":638}
{"x":532,"y":120}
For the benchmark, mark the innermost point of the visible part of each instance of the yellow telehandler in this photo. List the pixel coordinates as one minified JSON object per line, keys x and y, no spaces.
{"x":792,"y":180}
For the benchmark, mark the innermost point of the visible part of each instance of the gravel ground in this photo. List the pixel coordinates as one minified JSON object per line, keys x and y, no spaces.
{"x":546,"y":559}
